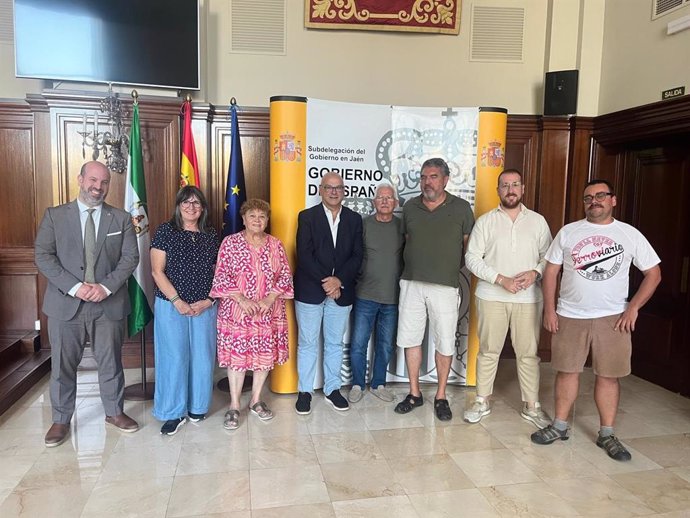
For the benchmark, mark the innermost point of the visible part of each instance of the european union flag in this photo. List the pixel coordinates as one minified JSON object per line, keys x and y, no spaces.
{"x":235,"y":192}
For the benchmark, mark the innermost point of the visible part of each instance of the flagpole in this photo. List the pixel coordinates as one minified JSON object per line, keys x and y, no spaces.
{"x":140,"y":316}
{"x":143,"y":391}
{"x":224,"y":383}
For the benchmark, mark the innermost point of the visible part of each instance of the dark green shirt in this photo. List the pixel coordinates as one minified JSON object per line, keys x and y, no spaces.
{"x":382,"y":263}
{"x":434,"y":240}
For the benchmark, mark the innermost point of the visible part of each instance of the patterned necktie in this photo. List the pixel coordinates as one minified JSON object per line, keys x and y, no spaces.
{"x":90,"y":247}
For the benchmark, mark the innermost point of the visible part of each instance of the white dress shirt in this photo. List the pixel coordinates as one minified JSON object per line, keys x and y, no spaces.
{"x":499,"y":245}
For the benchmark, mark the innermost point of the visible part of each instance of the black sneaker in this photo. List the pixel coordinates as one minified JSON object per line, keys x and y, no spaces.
{"x":172,"y":426}
{"x":303,"y":405}
{"x":337,"y":401}
{"x":195,"y":418}
{"x":613,"y":447}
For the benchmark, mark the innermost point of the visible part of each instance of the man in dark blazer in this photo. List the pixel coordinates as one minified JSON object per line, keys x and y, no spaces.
{"x":87,"y":250}
{"x":329,"y":254}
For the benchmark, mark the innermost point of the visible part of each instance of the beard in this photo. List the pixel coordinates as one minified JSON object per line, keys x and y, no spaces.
{"x":431,"y":194}
{"x":92,"y":196}
{"x":510,"y":202}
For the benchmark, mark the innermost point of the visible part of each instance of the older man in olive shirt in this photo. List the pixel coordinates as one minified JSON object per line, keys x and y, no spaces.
{"x":376,"y":302}
{"x":437,"y":225}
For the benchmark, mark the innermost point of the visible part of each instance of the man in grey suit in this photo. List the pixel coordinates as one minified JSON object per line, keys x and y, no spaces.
{"x":87,"y":250}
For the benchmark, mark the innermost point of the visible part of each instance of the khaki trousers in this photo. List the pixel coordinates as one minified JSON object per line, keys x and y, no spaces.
{"x":524,"y":321}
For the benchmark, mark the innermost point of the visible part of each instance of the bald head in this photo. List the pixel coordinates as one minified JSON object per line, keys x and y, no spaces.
{"x":94,"y":183}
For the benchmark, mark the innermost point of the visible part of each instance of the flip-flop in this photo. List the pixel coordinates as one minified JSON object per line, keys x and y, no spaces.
{"x":407,"y":404}
{"x":261,"y":411}
{"x":231,"y":420}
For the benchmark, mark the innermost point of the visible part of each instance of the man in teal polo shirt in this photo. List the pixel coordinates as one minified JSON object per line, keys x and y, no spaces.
{"x":437,"y":226}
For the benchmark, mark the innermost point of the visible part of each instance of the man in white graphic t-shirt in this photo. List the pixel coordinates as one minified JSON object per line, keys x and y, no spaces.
{"x":593,"y":312}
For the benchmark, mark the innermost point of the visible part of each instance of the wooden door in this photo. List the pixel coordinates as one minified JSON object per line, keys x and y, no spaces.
{"x":656,"y":200}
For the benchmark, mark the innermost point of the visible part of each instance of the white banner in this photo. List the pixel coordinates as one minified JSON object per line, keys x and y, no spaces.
{"x":369,"y":144}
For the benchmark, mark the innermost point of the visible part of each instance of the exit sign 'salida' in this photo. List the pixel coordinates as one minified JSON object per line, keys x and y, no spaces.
{"x":672,"y":92}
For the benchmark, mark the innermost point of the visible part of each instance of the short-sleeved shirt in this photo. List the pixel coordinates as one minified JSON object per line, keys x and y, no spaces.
{"x":434,"y":246}
{"x":382,"y":263}
{"x":596,"y":262}
{"x":190,"y":260}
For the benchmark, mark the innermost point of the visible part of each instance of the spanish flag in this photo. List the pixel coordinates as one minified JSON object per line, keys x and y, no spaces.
{"x":189,"y":167}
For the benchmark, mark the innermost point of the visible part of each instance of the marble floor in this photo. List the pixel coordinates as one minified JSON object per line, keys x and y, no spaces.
{"x":366,"y":462}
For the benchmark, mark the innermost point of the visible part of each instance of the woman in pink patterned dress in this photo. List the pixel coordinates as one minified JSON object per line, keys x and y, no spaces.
{"x":251,"y":283}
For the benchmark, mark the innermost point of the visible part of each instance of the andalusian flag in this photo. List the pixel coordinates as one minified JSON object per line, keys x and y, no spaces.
{"x":140,"y":284}
{"x":189,"y":167}
{"x":235,"y":193}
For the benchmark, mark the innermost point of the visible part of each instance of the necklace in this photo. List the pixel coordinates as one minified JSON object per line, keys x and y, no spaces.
{"x":192,"y":234}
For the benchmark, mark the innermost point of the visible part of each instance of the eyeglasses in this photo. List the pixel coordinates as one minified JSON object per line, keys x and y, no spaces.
{"x":333,"y":188}
{"x":191,"y":203}
{"x":506,"y":186}
{"x":600,"y":196}
{"x":384,"y":199}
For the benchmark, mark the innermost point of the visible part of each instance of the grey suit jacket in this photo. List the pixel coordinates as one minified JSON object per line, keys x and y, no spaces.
{"x":60,"y":257}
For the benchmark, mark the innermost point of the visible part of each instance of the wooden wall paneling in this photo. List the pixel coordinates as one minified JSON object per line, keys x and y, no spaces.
{"x":202,"y":117}
{"x":16,"y":198}
{"x":644,"y":123}
{"x":522,"y":152}
{"x":554,"y":165}
{"x":18,"y":275}
{"x":18,"y":289}
{"x":580,"y":150}
{"x":160,"y":143}
{"x":254,"y":138}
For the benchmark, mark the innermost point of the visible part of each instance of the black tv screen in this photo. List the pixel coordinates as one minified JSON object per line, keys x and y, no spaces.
{"x":136,"y":42}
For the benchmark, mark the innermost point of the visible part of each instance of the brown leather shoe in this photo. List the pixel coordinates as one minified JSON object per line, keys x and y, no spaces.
{"x":57,"y":434}
{"x":123,"y":422}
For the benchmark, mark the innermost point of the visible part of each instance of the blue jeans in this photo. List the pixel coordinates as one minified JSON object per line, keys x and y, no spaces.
{"x":385,"y":316}
{"x":310,"y":319}
{"x":185,"y":354}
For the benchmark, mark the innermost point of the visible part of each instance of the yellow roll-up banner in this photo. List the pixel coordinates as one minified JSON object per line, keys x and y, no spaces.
{"x":288,"y":134}
{"x":491,"y":148}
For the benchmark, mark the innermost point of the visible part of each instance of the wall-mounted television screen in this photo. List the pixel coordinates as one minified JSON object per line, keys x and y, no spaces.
{"x":135,"y":42}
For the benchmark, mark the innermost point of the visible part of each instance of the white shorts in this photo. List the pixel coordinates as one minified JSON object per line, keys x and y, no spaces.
{"x":440,"y":303}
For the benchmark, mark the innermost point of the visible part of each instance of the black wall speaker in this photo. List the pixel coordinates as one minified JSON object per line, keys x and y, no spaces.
{"x":560,"y":93}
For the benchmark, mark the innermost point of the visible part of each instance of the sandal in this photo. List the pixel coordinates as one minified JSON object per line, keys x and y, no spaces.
{"x":442,"y":409}
{"x":231,"y":420}
{"x":548,"y":435}
{"x":407,"y":404}
{"x":261,"y":411}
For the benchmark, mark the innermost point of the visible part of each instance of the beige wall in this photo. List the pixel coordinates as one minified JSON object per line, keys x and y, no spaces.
{"x":358,"y":66}
{"x":624,"y":59}
{"x":378,"y":67}
{"x":10,"y":86}
{"x":639,"y":59}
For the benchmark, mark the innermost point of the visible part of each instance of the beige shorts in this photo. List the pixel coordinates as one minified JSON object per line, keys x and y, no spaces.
{"x":440,"y":303}
{"x":611,"y":350}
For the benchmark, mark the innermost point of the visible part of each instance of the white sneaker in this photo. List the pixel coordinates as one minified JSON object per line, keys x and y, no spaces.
{"x":383,"y":393}
{"x":479,"y":409}
{"x":355,"y":394}
{"x":536,"y":416}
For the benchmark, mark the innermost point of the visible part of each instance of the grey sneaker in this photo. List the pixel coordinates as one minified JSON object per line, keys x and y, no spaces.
{"x":613,"y":447}
{"x":479,"y":409}
{"x":355,"y":394}
{"x":536,"y":416}
{"x":383,"y":393}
